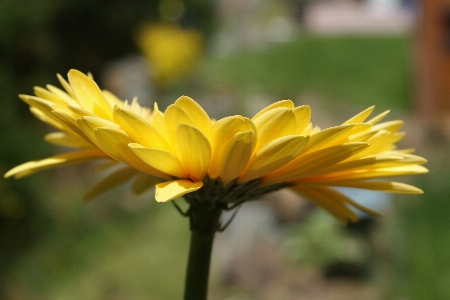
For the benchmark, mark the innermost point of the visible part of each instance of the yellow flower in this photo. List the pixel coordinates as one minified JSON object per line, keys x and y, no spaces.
{"x":170,"y":50}
{"x":228,"y":161}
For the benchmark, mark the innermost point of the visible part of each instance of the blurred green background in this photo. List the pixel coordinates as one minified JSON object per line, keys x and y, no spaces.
{"x":121,"y":246}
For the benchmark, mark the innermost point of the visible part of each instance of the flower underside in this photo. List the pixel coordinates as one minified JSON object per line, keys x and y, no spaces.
{"x":232,"y":194}
{"x":183,"y":152}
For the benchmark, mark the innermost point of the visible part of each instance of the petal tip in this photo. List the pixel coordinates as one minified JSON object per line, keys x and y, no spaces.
{"x":170,"y":190}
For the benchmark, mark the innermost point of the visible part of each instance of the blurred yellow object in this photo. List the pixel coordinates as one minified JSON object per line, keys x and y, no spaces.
{"x":170,"y":50}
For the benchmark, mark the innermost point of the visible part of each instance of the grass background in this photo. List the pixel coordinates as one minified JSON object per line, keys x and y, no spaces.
{"x":352,"y":69}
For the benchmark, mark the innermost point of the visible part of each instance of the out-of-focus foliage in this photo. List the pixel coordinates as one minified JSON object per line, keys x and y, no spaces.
{"x":347,"y":69}
{"x":93,"y":262}
{"x":319,"y":242}
{"x":419,"y":265}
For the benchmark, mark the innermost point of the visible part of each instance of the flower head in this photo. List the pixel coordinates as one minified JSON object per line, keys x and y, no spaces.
{"x":228,"y":161}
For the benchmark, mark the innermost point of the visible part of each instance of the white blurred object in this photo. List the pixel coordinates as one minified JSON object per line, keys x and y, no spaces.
{"x":383,"y":6}
{"x":378,"y":201}
{"x":253,"y":224}
{"x":374,"y":16}
{"x":128,"y":77}
{"x":252,"y":24}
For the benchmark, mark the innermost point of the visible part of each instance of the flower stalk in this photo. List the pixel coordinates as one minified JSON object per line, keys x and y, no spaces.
{"x":204,"y":220}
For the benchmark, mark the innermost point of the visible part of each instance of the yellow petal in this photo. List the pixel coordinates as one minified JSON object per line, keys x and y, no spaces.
{"x":112,"y":99}
{"x":370,"y":173}
{"x":302,"y":116}
{"x":84,"y":90}
{"x":193,"y":149}
{"x":315,"y":162}
{"x":309,"y":129}
{"x":140,"y":129}
{"x":88,"y":124}
{"x":47,"y":95}
{"x":354,"y":132}
{"x":404,"y":151}
{"x":115,"y":142}
{"x":160,"y":159}
{"x":397,"y":136}
{"x":273,"y":156}
{"x":59,"y":160}
{"x":52,"y":121}
{"x":95,"y":122}
{"x":378,"y":143}
{"x":360,"y":117}
{"x":66,"y":140}
{"x":392,"y":126}
{"x":142,"y":183}
{"x":227,"y":127}
{"x":362,"y":162}
{"x":88,"y":94}
{"x":197,"y":113}
{"x":69,"y":123}
{"x":173,"y":116}
{"x":273,"y":124}
{"x":384,"y":160}
{"x":235,"y":155}
{"x":358,"y":128}
{"x":222,"y":131}
{"x":66,"y":86}
{"x":135,"y":108}
{"x":410,"y":158}
{"x":378,"y":118}
{"x":329,"y":201}
{"x":62,"y":95}
{"x":158,"y":121}
{"x":61,"y":107}
{"x":361,"y":137}
{"x":381,"y":142}
{"x":171,"y":190}
{"x":45,"y":107}
{"x":357,"y":132}
{"x":381,"y":186}
{"x":109,"y":182}
{"x":79,"y":112}
{"x":283,"y":103}
{"x":326,"y":137}
{"x":315,"y":130}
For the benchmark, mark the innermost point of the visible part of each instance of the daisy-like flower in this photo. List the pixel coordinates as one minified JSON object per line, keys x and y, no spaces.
{"x":228,"y":161}
{"x":218,"y":165}
{"x":237,"y":159}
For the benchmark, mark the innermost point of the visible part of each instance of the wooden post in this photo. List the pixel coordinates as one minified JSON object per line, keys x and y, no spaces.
{"x":433,"y":101}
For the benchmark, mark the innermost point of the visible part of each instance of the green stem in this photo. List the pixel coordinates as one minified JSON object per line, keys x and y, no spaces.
{"x":204,"y":223}
{"x":196,"y":284}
